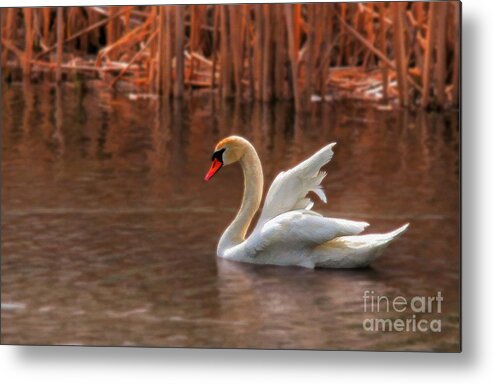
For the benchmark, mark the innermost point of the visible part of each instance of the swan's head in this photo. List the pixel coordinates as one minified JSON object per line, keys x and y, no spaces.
{"x":227,"y":151}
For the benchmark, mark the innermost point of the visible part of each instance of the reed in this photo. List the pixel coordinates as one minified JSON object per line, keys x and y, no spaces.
{"x":226,"y":76}
{"x":383,"y":49}
{"x":406,"y":52}
{"x":455,"y":38}
{"x":28,"y":44}
{"x":290,"y":22}
{"x":179,"y":47}
{"x":59,"y":48}
{"x":400,"y":52}
{"x":429,"y":48}
{"x":441,"y":52}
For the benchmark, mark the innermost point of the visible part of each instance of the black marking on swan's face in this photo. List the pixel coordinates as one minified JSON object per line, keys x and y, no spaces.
{"x":218,"y":155}
{"x":217,"y":163}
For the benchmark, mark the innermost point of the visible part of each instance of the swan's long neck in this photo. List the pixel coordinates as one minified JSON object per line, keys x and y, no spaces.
{"x":252,"y":196}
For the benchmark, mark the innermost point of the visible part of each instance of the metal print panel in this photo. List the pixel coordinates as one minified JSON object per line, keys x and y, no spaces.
{"x":281,"y":176}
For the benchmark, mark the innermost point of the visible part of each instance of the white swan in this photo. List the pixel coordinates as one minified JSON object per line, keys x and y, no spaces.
{"x":288,"y":232}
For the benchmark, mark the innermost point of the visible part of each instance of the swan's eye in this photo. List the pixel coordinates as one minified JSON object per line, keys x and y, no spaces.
{"x":218,"y":155}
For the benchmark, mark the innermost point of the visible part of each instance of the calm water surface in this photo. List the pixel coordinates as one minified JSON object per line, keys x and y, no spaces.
{"x":109,"y":231}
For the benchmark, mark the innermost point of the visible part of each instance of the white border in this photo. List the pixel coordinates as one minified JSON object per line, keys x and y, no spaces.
{"x":113,"y":365}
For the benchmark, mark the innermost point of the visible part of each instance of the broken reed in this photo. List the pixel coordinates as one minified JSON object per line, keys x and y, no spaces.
{"x":250,"y":51}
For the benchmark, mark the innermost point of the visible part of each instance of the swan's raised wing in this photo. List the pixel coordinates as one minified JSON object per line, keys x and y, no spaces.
{"x":289,"y":189}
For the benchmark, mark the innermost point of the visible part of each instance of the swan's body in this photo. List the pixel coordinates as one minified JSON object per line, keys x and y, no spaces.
{"x":288,"y":232}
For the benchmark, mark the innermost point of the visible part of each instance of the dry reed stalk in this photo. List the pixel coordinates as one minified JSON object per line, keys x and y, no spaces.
{"x":59,"y":49}
{"x":310,"y":53}
{"x":193,"y":39}
{"x":14,"y":30}
{"x":457,"y":46}
{"x":216,"y":16}
{"x":317,"y":47}
{"x":351,"y":47}
{"x":247,"y":52}
{"x":111,"y":32}
{"x":399,"y":52}
{"x":258,"y":51}
{"x":280,"y":53}
{"x":328,"y":41}
{"x":8,"y":23}
{"x":70,"y":26}
{"x":179,"y":48}
{"x":168,"y":54}
{"x":430,"y":44}
{"x":197,"y":17}
{"x":410,"y":38}
{"x":161,"y":50}
{"x":245,"y":49}
{"x":419,"y":7}
{"x":297,"y":20}
{"x":353,"y":50}
{"x":288,"y":11}
{"x":320,"y":46}
{"x":126,"y":22}
{"x":441,"y":60}
{"x":28,"y":45}
{"x":2,"y":36}
{"x":383,"y":48}
{"x":370,"y":33}
{"x":46,"y":24}
{"x":418,"y":43}
{"x":249,"y":41}
{"x":226,"y":70}
{"x":342,"y":43}
{"x":114,"y":30}
{"x":267,"y":55}
{"x":153,"y":77}
{"x":73,"y":66}
{"x":236,"y":48}
{"x":421,"y":29}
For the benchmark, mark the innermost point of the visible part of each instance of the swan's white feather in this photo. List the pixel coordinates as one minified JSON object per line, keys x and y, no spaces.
{"x":304,"y":228}
{"x":353,"y":251}
{"x":298,"y":230}
{"x":289,"y":189}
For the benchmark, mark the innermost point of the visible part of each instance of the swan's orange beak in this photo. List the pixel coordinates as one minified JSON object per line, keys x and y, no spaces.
{"x":216,"y":166}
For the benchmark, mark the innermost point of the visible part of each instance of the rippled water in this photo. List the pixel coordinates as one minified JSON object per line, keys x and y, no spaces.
{"x":109,"y":232}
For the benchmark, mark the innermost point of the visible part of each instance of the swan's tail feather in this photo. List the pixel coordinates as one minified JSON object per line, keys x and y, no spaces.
{"x":353,"y":251}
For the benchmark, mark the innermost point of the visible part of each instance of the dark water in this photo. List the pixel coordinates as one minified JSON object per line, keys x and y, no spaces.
{"x":109,"y":232}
